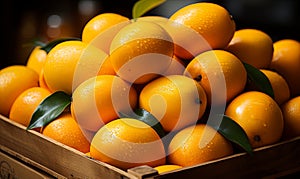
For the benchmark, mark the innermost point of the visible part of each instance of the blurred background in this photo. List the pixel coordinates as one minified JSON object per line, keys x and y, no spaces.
{"x":26,"y":21}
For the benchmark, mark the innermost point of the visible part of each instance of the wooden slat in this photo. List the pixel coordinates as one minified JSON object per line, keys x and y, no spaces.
{"x":12,"y":168}
{"x":53,"y":155}
{"x":29,"y":162}
{"x":142,"y":172}
{"x":271,"y":161}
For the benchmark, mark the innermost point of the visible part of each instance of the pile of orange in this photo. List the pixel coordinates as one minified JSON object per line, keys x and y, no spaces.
{"x":179,"y":69}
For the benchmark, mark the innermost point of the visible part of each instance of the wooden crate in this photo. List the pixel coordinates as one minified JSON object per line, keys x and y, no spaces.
{"x":61,"y":161}
{"x":52,"y":155}
{"x":14,"y":168}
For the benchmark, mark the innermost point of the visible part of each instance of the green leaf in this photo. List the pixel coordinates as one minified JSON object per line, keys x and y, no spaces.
{"x":34,"y":43}
{"x":143,"y":6}
{"x":49,"y":109}
{"x":39,"y":43}
{"x":53,"y":43}
{"x":258,"y":80}
{"x":146,"y":117}
{"x":233,"y":132}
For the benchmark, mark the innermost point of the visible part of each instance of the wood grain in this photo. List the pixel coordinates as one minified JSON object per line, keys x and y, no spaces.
{"x":54,"y":155}
{"x":271,"y":161}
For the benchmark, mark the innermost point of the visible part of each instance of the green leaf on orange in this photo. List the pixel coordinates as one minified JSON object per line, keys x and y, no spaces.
{"x":143,"y":6}
{"x":53,"y":43}
{"x":146,"y":117}
{"x":258,"y":80}
{"x":49,"y":109}
{"x":232,"y":132}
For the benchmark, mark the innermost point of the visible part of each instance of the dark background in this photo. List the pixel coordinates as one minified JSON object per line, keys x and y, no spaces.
{"x":26,"y":21}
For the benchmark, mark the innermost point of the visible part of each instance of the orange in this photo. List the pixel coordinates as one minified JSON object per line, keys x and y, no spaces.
{"x":212,"y":21}
{"x":65,"y":130}
{"x":98,"y":100}
{"x":182,"y":36}
{"x":176,"y":101}
{"x":166,"y":168}
{"x":103,"y":40}
{"x":286,"y":61}
{"x":92,"y":62}
{"x":220,"y":73}
{"x":252,"y":46}
{"x":88,"y":134}
{"x":70,"y":63}
{"x":106,"y":68}
{"x":99,"y":24}
{"x":279,"y":85}
{"x":36,"y":59}
{"x":197,"y":144}
{"x":42,"y":82}
{"x":13,"y":81}
{"x":139,"y":45}
{"x":127,"y":143}
{"x":259,"y":115}
{"x":26,"y":103}
{"x":176,"y":67}
{"x":291,"y":116}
